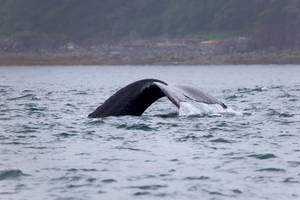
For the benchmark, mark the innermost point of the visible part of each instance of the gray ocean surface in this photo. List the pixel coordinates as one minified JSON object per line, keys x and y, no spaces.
{"x":49,"y":149}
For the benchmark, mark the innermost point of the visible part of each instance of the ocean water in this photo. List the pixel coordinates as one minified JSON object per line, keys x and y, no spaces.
{"x":49,"y":149}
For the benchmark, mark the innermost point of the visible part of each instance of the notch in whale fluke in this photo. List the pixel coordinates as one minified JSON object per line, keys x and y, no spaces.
{"x":136,"y":97}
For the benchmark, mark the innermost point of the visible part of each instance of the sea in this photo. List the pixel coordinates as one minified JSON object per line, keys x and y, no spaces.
{"x":51,"y":150}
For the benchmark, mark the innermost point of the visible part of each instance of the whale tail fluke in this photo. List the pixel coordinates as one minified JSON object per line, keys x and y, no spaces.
{"x":133,"y":99}
{"x":136,"y":97}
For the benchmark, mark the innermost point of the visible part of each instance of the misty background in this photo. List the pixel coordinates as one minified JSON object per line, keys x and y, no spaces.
{"x":269,"y":22}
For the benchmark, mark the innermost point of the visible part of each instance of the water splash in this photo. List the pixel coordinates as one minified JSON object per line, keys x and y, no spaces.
{"x":195,"y":108}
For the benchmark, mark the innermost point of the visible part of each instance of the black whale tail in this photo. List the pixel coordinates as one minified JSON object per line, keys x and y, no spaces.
{"x":133,"y":99}
{"x":136,"y":97}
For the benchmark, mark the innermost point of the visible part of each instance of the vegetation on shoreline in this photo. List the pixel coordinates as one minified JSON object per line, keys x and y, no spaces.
{"x":268,"y":22}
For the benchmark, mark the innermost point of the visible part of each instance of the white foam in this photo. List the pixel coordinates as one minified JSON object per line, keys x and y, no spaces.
{"x":195,"y":108}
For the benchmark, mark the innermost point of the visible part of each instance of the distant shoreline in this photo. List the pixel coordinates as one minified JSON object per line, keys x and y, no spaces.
{"x":145,"y":52}
{"x":256,"y":57}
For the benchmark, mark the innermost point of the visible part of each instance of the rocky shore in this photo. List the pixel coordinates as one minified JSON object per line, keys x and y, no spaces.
{"x":141,"y":52}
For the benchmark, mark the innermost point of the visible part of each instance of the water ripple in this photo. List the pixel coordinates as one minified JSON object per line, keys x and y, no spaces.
{"x":263,"y":156}
{"x":142,"y":127}
{"x":11,"y":174}
{"x":44,"y":129}
{"x":149,"y":187}
{"x":26,"y":96}
{"x":271,"y":169}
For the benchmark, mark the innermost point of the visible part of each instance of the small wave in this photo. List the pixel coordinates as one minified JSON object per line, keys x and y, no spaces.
{"x":26,"y":96}
{"x":91,"y":180}
{"x":65,"y":134}
{"x":149,"y":187}
{"x":214,"y":193}
{"x":273,"y":112}
{"x":37,"y":147}
{"x":168,"y":124}
{"x":108,"y":180}
{"x":95,"y":122}
{"x":232,"y":97}
{"x":130,"y":148}
{"x":27,"y":91}
{"x":141,"y":193}
{"x":167,"y":116}
{"x":271,"y":169}
{"x":286,"y":95}
{"x":37,"y":109}
{"x":33,"y":108}
{"x":196,"y":178}
{"x":67,"y":178}
{"x":250,"y":90}
{"x":27,"y":129}
{"x":187,"y":138}
{"x":276,"y":87}
{"x":81,"y":93}
{"x":290,"y":180}
{"x":77,"y":92}
{"x":142,"y":127}
{"x":5,"y":118}
{"x":237,"y":191}
{"x":293,"y":100}
{"x":73,"y":169}
{"x":221,"y":140}
{"x":15,"y":143}
{"x":11,"y":174}
{"x":78,"y":186}
{"x":3,"y":92}
{"x":263,"y":156}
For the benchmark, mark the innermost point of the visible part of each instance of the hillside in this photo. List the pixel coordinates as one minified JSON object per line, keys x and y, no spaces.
{"x":269,"y":22}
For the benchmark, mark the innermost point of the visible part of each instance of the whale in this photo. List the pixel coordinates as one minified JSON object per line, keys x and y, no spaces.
{"x":136,"y":97}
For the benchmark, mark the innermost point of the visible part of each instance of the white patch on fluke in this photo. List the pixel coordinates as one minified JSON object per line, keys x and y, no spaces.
{"x":191,"y":101}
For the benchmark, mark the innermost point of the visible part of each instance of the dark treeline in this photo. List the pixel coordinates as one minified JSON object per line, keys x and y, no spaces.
{"x":270,"y":22}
